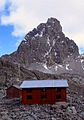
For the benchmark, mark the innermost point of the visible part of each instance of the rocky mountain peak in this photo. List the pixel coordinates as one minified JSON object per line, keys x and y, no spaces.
{"x":50,"y":28}
{"x":46,"y":44}
{"x":55,"y":24}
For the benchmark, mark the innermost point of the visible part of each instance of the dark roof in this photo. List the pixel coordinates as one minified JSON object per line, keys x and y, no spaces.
{"x":16,"y":86}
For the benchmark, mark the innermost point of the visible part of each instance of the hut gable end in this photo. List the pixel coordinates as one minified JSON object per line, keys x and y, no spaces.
{"x":13,"y":91}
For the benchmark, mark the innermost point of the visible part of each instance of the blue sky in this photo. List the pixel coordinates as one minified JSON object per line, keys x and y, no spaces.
{"x":8,"y":43}
{"x":18,"y":17}
{"x":5,"y":36}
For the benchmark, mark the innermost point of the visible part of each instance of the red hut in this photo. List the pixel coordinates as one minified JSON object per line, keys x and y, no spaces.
{"x":13,"y":91}
{"x":43,"y":91}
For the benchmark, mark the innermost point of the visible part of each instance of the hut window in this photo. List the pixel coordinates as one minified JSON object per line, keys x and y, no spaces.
{"x":43,"y":97}
{"x":58,"y":97}
{"x":29,"y":97}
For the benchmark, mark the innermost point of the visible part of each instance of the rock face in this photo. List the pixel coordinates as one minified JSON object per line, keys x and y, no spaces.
{"x":45,"y":45}
{"x":11,"y":73}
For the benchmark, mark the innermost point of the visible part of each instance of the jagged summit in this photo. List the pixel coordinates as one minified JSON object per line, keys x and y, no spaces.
{"x":50,"y":28}
{"x":54,"y":23}
{"x":46,"y":44}
{"x":52,"y":20}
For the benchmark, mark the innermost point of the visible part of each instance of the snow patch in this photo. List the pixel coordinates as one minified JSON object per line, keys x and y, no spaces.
{"x":50,"y":49}
{"x":53,"y":42}
{"x":41,"y":34}
{"x":67,"y":65}
{"x":58,"y":36}
{"x":82,"y":64}
{"x":45,"y":66}
{"x":33,"y":38}
{"x":56,"y":67}
{"x":55,"y":53}
{"x":53,"y":22}
{"x":24,"y":39}
{"x":82,"y":60}
{"x":46,"y":54}
{"x":34,"y":59}
{"x":62,"y":41}
{"x":25,"y":42}
{"x":48,"y":41}
{"x":37,"y":35}
{"x":27,"y":35}
{"x":60,"y":66}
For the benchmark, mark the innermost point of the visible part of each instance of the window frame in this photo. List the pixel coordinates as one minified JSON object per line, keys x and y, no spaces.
{"x":29,"y":97}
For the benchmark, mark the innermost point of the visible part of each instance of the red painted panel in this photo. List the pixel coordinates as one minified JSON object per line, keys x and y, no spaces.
{"x":63,"y":94}
{"x":37,"y":94}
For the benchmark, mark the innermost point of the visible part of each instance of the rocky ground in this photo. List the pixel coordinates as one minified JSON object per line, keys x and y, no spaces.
{"x":72,"y":110}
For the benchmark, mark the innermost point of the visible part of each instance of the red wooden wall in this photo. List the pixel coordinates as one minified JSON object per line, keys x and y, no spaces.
{"x":38,"y":96}
{"x":13,"y":92}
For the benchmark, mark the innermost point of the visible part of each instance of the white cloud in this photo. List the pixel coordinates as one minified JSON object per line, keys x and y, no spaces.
{"x":2,"y":4}
{"x":79,"y":39}
{"x":20,"y":17}
{"x":24,"y":15}
{"x":21,"y":22}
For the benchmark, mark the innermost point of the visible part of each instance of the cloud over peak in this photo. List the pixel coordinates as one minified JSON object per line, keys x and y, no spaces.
{"x":24,"y":15}
{"x":20,"y":17}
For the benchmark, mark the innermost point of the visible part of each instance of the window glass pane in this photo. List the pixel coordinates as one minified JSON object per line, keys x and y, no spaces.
{"x":29,"y":97}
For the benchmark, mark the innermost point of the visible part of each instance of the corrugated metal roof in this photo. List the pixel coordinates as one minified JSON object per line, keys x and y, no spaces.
{"x":44,"y":83}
